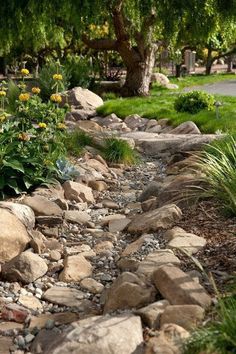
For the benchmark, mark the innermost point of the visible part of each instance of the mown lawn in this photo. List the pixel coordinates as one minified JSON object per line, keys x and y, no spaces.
{"x":160,"y":104}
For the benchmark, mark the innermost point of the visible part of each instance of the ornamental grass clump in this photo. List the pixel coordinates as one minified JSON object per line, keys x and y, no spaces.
{"x":119,"y":151}
{"x":218,"y":165}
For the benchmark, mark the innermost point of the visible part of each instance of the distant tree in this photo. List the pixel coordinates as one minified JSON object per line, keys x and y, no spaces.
{"x":136,"y":27}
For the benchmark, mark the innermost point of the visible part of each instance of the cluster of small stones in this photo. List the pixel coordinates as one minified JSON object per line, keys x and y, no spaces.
{"x":96,"y":253}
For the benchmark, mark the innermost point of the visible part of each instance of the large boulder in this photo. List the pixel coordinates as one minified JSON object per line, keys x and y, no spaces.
{"x":24,"y":213}
{"x":186,"y":128}
{"x":42,"y":206}
{"x":180,"y":239}
{"x":160,"y":79}
{"x":82,"y":98}
{"x":78,"y":192}
{"x":13,"y":236}
{"x":161,"y":218}
{"x":26,"y":268}
{"x":100,"y":335}
{"x":128,"y":291}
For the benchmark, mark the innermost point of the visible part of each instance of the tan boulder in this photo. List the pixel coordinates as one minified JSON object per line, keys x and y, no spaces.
{"x":92,"y":285}
{"x":100,"y":335}
{"x":26,"y":268}
{"x":151,"y":314}
{"x":77,"y":217}
{"x":118,"y":225}
{"x":186,"y":128}
{"x":161,"y":218}
{"x":78,"y":192}
{"x":180,"y":239}
{"x":42,"y":206}
{"x":99,"y":186}
{"x":186,"y":316}
{"x":75,"y":269}
{"x":128,"y":291}
{"x":13,"y":236}
{"x":64,"y":296}
{"x":179,"y":288}
{"x":24,"y":213}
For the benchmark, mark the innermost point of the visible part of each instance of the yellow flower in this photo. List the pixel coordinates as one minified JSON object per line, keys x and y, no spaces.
{"x":24,"y":72}
{"x":23,"y":137}
{"x":57,"y":77}
{"x":42,"y":125}
{"x":2,"y":93}
{"x":36,"y":90}
{"x":61,"y":126}
{"x":24,"y":97}
{"x":55,"y":97}
{"x":2,"y":117}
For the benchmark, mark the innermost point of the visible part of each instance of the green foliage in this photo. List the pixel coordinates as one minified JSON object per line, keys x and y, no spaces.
{"x":76,"y":140}
{"x":31,"y":142}
{"x":119,"y":151}
{"x":194,"y":101}
{"x":13,"y":93}
{"x":219,"y":336}
{"x":218,"y":164}
{"x":46,"y":81}
{"x":78,"y":70}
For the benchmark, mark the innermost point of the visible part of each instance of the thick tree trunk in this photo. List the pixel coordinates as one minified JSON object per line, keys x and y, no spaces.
{"x":138,"y":77}
{"x":178,"y":70}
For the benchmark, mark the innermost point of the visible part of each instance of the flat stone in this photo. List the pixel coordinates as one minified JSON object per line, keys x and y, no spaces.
{"x":186,"y":316}
{"x":186,"y":128}
{"x":31,"y":302}
{"x":100,"y":335}
{"x":42,"y":206}
{"x":180,"y":239}
{"x":77,"y":217}
{"x":64,"y":296}
{"x":75,"y":269}
{"x":60,"y":318}
{"x":106,"y":203}
{"x":128,"y":264}
{"x":50,"y":221}
{"x":156,"y":259}
{"x":161,"y":218}
{"x":103,"y":247}
{"x":14,"y":312}
{"x":5,"y":344}
{"x":179,"y":288}
{"x":118,"y":225}
{"x":151,"y":314}
{"x":106,"y":219}
{"x":99,"y":186}
{"x":10,"y":326}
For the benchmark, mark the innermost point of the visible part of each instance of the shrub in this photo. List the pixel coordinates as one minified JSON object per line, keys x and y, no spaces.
{"x":46,"y":81}
{"x":218,"y":164}
{"x":219,"y":336}
{"x":194,"y":101}
{"x":31,"y":142}
{"x":13,"y":93}
{"x":119,"y":151}
{"x":78,"y":70}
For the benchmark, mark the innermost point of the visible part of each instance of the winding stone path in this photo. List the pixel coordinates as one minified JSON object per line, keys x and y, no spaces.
{"x":226,"y":88}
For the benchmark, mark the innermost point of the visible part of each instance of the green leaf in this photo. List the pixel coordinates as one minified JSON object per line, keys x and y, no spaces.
{"x":28,"y":183}
{"x":13,"y":185}
{"x":14,"y":164}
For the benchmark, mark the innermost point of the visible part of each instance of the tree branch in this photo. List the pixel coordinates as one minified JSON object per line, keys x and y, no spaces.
{"x":119,"y":22}
{"x":100,"y":44}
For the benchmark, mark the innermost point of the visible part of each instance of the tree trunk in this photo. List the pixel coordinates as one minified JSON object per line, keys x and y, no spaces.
{"x":178,"y":70}
{"x":209,"y":62}
{"x":138,"y":76}
{"x":230,"y":64}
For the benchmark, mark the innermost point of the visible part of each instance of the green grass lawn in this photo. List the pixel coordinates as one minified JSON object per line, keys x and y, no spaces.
{"x":160,"y":104}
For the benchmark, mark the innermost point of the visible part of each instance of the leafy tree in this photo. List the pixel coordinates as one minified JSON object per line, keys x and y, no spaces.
{"x":136,"y":27}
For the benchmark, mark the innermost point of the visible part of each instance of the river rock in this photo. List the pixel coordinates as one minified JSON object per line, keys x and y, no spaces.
{"x":30,"y":302}
{"x":78,"y":192}
{"x":26,"y":268}
{"x":77,"y":217}
{"x":82,"y":98}
{"x":161,"y":218}
{"x":92,"y":285}
{"x":64,"y":296}
{"x":75,"y":269}
{"x":179,"y":288}
{"x":13,"y":236}
{"x":128,"y":291}
{"x":100,"y":335}
{"x":135,"y":122}
{"x":185,"y":128}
